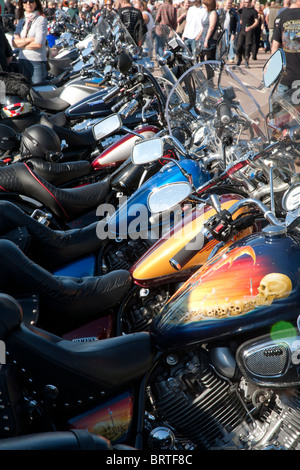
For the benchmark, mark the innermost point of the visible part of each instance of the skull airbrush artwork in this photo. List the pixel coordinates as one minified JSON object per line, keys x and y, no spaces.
{"x":230,"y":285}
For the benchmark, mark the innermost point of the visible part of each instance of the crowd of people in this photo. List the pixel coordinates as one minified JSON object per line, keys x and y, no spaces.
{"x":249,"y":25}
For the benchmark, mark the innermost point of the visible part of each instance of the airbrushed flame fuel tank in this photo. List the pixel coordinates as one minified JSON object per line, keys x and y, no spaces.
{"x":253,"y":284}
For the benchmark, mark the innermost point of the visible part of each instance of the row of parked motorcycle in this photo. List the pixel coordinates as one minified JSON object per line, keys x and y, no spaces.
{"x":150,"y":248}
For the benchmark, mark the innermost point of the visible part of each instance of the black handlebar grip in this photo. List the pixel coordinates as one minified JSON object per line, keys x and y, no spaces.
{"x":224,"y":112}
{"x":110,"y":95}
{"x":188,"y":252}
{"x":296,"y":135}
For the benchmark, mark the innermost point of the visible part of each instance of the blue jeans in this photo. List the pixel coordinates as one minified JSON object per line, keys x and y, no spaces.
{"x":35,"y":71}
{"x":160,"y":45}
{"x":191,"y":45}
{"x":231,"y":51}
{"x":282,"y":89}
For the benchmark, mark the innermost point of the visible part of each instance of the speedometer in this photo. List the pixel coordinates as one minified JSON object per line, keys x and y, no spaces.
{"x":291,"y":198}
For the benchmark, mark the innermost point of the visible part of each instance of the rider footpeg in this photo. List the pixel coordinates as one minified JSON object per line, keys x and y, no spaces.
{"x":42,"y":217}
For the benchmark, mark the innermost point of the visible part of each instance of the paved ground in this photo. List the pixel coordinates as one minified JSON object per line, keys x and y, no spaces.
{"x":256,"y":66}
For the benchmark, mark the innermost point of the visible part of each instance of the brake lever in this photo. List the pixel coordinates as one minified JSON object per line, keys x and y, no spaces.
{"x":148,"y":101}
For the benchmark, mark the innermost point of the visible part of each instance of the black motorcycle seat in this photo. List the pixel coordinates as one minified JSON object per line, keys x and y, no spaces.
{"x":57,"y":119}
{"x":49,"y":248}
{"x":59,"y":80}
{"x":66,"y":204}
{"x":11,"y":315}
{"x":75,"y":439}
{"x":47,"y":94}
{"x":84,"y":138}
{"x":79,"y":370}
{"x":59,"y":173}
{"x":62,"y":63}
{"x":65,"y":302}
{"x":48,"y":103}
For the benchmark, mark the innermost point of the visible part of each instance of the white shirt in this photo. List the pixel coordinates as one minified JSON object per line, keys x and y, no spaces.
{"x":194,"y":22}
{"x":227,"y":21}
{"x":38,"y":30}
{"x":151,"y":23}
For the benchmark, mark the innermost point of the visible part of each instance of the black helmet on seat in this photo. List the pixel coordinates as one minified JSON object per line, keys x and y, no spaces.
{"x":9,"y":139}
{"x":40,"y":141}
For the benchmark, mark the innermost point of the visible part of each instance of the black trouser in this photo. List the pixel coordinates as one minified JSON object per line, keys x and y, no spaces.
{"x":256,"y":41}
{"x":209,"y":54}
{"x":244,"y":44}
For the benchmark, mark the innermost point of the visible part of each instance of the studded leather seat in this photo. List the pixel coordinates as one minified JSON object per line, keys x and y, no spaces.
{"x":79,"y":371}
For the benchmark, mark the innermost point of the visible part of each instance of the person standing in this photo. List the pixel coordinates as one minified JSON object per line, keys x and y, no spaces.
{"x":229,"y":20}
{"x":208,"y":38}
{"x":5,"y":52}
{"x":194,"y":25}
{"x":133,"y":21}
{"x":30,"y":38}
{"x":108,"y":11}
{"x":270,"y":18}
{"x":181,"y":17}
{"x":50,"y":11}
{"x":286,"y":34}
{"x":9,"y":8}
{"x":286,"y":4}
{"x":72,"y":11}
{"x":149,"y":22}
{"x":257,"y":31}
{"x":267,"y":46}
{"x":166,"y":16}
{"x":249,"y":20}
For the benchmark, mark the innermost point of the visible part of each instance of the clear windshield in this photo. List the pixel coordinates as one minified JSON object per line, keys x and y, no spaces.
{"x":198,"y":92}
{"x":102,"y":37}
{"x":60,"y":15}
{"x":102,"y":28}
{"x":195,"y":102}
{"x":122,"y":37}
{"x":115,"y":34}
{"x":170,"y":39}
{"x":286,"y":111}
{"x":173,"y":44}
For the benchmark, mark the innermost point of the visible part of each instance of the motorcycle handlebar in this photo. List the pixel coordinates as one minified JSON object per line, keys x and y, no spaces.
{"x":224,"y":111}
{"x":129,"y":109}
{"x":186,"y":254}
{"x":115,"y":91}
{"x":267,"y":213}
{"x":112,"y":94}
{"x":295,"y":134}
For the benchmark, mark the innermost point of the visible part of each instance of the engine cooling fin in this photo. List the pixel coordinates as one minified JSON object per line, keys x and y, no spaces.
{"x":203,"y":407}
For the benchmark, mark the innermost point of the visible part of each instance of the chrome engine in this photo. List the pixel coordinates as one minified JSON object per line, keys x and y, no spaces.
{"x":120,"y":254}
{"x":200,"y":401}
{"x":141,"y":306}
